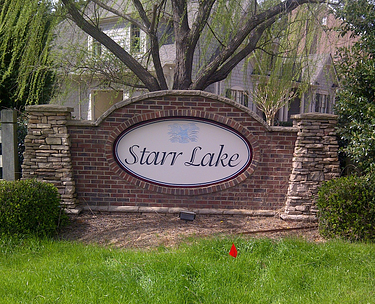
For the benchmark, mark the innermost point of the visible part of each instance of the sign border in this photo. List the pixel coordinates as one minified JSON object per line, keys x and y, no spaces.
{"x":176,"y":185}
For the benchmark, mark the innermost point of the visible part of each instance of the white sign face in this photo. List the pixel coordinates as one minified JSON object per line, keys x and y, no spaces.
{"x":182,"y":152}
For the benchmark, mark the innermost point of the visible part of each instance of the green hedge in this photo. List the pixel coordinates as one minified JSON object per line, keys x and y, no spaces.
{"x":347,"y":208}
{"x":30,"y":207}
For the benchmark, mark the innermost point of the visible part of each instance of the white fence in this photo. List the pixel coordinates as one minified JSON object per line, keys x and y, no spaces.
{"x":8,"y":145}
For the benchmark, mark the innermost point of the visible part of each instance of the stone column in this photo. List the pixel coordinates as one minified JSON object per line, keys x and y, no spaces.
{"x":47,"y":150}
{"x":315,"y":160}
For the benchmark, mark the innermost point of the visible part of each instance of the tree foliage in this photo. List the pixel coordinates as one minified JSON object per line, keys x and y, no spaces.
{"x":223,"y":32}
{"x":356,"y":100}
{"x":25,"y":36}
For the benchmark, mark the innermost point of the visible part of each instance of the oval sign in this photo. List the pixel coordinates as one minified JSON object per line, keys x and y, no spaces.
{"x":182,"y":152}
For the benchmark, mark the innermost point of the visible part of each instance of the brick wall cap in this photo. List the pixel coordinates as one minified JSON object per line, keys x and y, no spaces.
{"x":283,"y":129}
{"x":81,"y":123}
{"x":182,"y":93}
{"x":125,"y":102}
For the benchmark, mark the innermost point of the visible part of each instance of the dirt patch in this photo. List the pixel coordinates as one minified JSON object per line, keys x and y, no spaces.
{"x":148,"y":230}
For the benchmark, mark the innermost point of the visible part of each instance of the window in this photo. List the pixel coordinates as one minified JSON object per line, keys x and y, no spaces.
{"x":322,"y":103}
{"x":102,"y":100}
{"x":128,"y":36}
{"x":241,"y":96}
{"x":96,"y":48}
{"x":135,"y":39}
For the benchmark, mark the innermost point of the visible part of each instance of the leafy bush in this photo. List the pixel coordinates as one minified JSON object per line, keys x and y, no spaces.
{"x":30,"y":207}
{"x":347,"y":208}
{"x":354,"y":104}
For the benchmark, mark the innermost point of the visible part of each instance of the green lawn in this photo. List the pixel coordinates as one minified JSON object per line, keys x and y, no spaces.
{"x":201,"y":271}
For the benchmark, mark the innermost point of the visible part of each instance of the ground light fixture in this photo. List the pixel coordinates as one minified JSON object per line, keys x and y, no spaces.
{"x":187,"y":215}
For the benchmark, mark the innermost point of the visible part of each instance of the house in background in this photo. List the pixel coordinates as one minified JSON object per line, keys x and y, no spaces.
{"x":86,"y":89}
{"x":323,"y":79}
{"x":320,"y":94}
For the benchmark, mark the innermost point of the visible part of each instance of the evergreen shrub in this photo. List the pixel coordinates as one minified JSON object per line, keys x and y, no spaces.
{"x":29,"y":207}
{"x":347,"y":208}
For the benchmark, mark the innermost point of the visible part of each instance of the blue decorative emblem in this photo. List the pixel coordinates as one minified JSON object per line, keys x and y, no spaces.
{"x":183,"y":133}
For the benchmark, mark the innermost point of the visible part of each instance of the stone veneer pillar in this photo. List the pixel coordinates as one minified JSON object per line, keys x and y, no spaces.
{"x":47,"y":150}
{"x":315,"y":160}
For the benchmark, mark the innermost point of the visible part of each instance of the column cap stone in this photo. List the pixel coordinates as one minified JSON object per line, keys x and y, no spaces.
{"x":314,"y":116}
{"x":48,"y":108}
{"x":8,"y":116}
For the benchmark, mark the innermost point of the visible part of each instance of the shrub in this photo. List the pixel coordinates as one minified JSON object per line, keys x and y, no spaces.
{"x":347,"y":208}
{"x":30,"y":207}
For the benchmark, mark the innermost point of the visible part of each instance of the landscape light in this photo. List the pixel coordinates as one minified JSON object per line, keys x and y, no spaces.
{"x":187,"y":215}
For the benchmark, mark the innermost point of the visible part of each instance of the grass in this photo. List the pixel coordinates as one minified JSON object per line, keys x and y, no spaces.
{"x":265,"y":271}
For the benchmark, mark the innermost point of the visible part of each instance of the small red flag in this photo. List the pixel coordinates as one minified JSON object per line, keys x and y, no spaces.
{"x":233,"y":251}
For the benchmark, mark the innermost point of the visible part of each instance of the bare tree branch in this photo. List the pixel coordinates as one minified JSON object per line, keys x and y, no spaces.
{"x":124,"y":16}
{"x":153,"y":40}
{"x":253,"y":22}
{"x":200,"y":22}
{"x":145,"y":76}
{"x":223,"y":72}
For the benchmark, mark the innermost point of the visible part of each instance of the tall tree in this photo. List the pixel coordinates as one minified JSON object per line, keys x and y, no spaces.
{"x":230,"y":31}
{"x":356,"y":99}
{"x":25,"y":66}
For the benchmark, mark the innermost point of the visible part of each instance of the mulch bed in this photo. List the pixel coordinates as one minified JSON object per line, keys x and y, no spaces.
{"x":150,"y":230}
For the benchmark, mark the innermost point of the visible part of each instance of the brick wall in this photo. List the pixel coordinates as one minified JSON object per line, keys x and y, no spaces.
{"x":101,"y":183}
